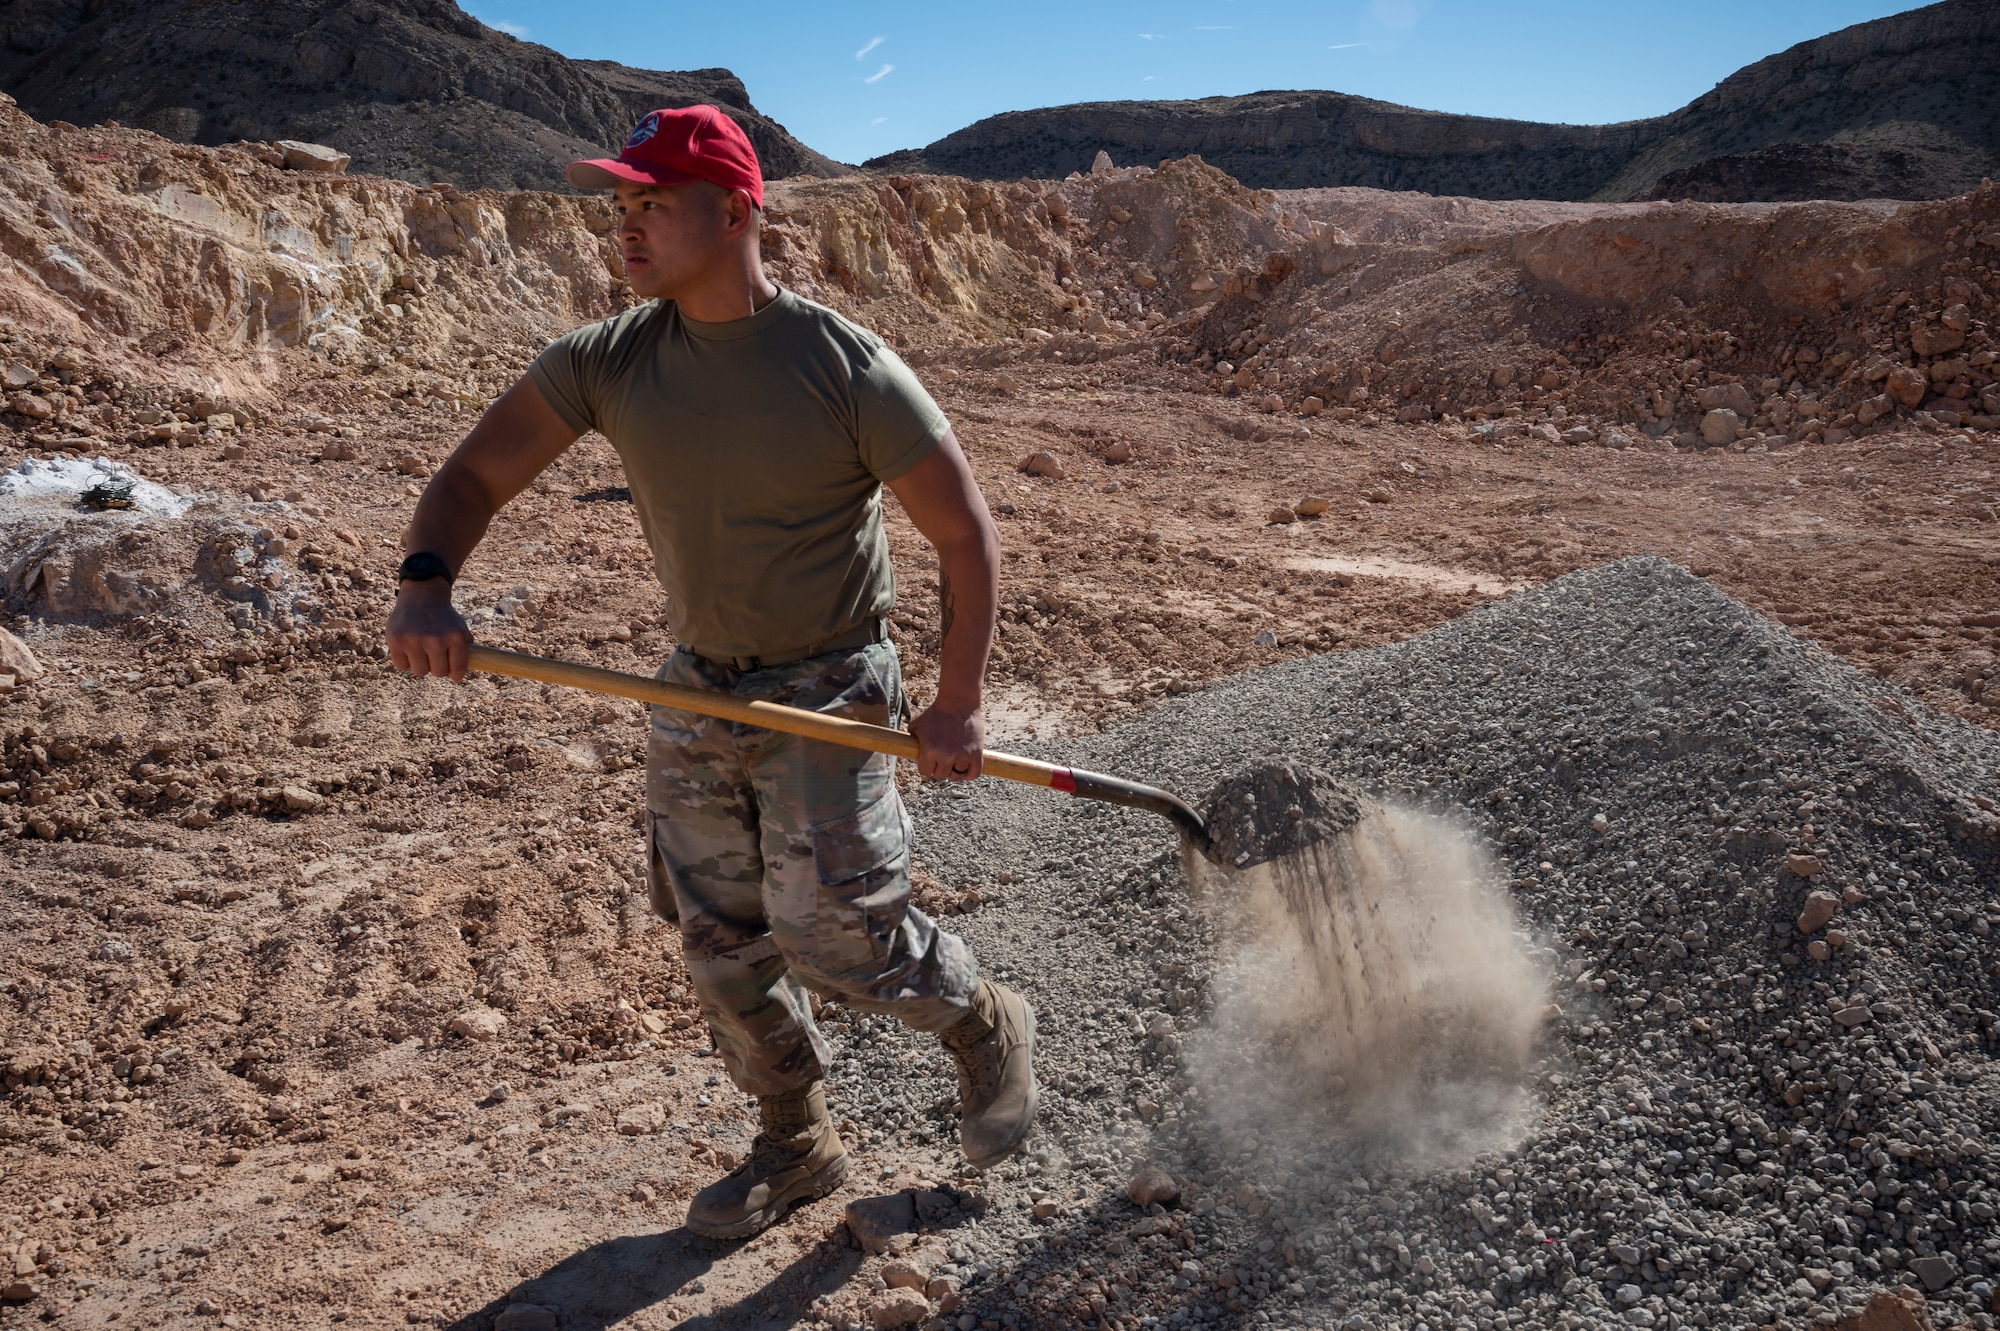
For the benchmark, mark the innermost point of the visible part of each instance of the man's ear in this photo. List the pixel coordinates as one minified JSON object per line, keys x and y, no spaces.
{"x":741,"y":212}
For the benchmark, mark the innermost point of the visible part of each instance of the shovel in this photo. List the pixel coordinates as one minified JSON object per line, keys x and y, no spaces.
{"x":851,"y":734}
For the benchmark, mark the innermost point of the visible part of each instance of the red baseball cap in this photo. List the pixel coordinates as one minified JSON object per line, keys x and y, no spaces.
{"x":677,"y":146}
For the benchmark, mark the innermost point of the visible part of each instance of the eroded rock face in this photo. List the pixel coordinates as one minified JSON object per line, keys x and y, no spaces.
{"x":147,"y":240}
{"x":416,"y":90}
{"x":197,"y":255}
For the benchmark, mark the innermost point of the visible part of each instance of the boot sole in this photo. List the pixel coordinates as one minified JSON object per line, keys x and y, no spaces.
{"x":1013,"y":1143}
{"x":830,"y":1176}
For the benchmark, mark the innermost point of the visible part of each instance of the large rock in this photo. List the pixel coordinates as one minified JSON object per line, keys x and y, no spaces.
{"x":641,"y":1120}
{"x":1903,"y":1311}
{"x":1936,"y":1271}
{"x":313,"y":157}
{"x":16,"y":659}
{"x":1934,"y":340}
{"x":1733,"y":396}
{"x":1906,"y":386}
{"x":904,"y":1275}
{"x":896,"y":1308}
{"x":1720,"y":426}
{"x":875,"y":1221}
{"x":1152,"y":1185}
{"x":1818,"y":913}
{"x":478,"y":1023}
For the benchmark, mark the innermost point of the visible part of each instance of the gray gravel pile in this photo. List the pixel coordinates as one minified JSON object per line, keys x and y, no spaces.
{"x":1735,"y":1123}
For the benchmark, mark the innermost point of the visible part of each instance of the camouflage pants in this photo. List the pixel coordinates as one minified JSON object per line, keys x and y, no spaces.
{"x":786,"y":862}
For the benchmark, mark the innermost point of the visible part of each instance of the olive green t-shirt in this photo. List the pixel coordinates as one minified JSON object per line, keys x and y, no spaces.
{"x":756,"y":451}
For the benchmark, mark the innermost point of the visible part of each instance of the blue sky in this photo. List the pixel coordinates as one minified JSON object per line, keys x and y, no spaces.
{"x":859,"y":79}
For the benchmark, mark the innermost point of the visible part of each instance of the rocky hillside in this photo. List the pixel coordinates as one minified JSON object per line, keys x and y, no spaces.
{"x":1902,"y":107}
{"x":1908,"y":167}
{"x":415,"y":89}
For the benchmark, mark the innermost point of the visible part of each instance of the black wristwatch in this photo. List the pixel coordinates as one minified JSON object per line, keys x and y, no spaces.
{"x":422,"y":567}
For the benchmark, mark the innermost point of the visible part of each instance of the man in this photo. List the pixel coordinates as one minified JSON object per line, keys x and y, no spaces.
{"x":757,"y":430}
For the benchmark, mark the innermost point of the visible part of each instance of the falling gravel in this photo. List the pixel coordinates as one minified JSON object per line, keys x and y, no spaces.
{"x":1716,"y":1120}
{"x":1373,"y":977}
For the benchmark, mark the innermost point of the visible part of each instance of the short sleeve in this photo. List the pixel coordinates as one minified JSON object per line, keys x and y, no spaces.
{"x":567,"y":374}
{"x":899,"y":422}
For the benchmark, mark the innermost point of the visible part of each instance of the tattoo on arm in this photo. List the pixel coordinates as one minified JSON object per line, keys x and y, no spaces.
{"x":947,"y":606}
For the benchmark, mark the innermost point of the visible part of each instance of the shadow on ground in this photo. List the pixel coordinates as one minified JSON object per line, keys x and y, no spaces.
{"x":607,"y":1282}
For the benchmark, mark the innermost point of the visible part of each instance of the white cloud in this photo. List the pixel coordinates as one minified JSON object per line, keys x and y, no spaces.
{"x":873,"y":42}
{"x":880,"y":74}
{"x":1346,"y":46}
{"x":501,"y":25}
{"x":1148,"y":79}
{"x":879,"y":120}
{"x":1398,"y":14}
{"x":1149,"y":36}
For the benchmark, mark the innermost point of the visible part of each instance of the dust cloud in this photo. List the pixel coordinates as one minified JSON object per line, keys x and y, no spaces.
{"x":1373,"y":998}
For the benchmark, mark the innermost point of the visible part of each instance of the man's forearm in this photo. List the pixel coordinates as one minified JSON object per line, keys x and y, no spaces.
{"x":452,"y":516}
{"x":969,"y":603}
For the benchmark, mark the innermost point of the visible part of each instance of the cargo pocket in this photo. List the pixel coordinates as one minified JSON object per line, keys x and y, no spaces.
{"x":863,"y":862}
{"x":659,"y":878}
{"x":861,"y":843}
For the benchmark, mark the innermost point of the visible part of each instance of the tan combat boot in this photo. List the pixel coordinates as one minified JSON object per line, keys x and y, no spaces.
{"x":994,"y":1048}
{"x":797,"y":1156}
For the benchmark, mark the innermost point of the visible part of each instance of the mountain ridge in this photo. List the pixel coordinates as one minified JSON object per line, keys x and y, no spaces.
{"x":1914,"y":96}
{"x":414,"y":89}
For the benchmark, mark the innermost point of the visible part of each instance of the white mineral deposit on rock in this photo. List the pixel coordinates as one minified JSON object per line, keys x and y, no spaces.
{"x":67,"y":479}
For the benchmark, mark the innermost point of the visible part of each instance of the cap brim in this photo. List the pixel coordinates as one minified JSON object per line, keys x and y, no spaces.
{"x":610,"y":172}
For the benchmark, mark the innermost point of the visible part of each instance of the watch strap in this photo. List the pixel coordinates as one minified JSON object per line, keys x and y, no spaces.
{"x":422,"y":567}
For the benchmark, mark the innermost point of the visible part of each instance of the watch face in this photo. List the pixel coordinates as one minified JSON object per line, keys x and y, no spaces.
{"x":422,"y":567}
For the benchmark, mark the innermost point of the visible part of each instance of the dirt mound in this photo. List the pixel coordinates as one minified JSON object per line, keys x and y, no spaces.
{"x":1911,"y":86}
{"x":415,"y":89}
{"x":1807,"y":322}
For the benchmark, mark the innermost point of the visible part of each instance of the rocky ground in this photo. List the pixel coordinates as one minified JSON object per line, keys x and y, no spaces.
{"x":332,"y":996}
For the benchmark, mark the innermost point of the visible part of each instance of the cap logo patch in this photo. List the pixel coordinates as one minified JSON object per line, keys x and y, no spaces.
{"x":645,"y":129}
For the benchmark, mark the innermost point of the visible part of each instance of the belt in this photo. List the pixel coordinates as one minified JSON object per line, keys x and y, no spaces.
{"x":871,"y":631}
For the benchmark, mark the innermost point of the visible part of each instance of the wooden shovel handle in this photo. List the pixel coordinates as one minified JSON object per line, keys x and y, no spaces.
{"x":728,"y":707}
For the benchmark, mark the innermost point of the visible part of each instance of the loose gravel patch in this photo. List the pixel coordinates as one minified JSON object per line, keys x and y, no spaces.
{"x":1728,"y":1122}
